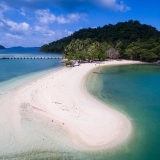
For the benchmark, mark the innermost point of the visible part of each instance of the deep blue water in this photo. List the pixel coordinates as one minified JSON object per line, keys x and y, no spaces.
{"x":14,"y":68}
{"x":135,"y":91}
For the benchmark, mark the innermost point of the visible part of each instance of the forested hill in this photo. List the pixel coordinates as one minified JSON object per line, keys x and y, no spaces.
{"x":126,"y":32}
{"x":2,"y":47}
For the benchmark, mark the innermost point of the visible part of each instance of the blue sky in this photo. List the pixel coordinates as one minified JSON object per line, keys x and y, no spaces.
{"x":32,"y":23}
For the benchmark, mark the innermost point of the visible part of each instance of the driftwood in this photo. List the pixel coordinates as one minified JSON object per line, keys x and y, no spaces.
{"x":97,"y":72}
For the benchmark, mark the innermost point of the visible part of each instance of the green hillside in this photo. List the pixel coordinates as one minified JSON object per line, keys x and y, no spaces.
{"x":131,"y":39}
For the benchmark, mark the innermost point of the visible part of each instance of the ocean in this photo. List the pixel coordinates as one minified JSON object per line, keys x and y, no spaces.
{"x":14,"y":73}
{"x":135,"y":91}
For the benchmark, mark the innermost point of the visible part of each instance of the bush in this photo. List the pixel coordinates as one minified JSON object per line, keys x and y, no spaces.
{"x":68,"y":63}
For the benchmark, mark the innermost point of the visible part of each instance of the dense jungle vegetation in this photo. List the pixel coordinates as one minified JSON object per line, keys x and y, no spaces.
{"x":131,"y":40}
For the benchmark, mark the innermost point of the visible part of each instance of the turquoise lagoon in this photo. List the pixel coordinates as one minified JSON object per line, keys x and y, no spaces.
{"x":135,"y":91}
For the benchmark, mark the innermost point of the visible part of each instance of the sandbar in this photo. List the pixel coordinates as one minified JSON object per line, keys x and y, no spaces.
{"x":56,"y":112}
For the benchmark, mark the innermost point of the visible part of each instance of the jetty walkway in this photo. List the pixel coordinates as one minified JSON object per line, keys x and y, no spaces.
{"x":7,"y":58}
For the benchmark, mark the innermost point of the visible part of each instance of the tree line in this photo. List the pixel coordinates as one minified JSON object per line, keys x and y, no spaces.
{"x":131,"y":40}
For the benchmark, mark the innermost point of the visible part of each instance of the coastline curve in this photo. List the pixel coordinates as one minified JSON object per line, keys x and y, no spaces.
{"x":56,"y":112}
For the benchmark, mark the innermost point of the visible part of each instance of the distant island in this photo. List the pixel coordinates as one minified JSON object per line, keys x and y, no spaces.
{"x":128,"y":40}
{"x":16,"y":47}
{"x":2,"y":47}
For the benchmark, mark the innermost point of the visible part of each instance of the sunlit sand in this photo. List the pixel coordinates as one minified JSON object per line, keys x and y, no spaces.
{"x":56,"y":113}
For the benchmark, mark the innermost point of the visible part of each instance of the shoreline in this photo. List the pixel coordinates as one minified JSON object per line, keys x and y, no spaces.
{"x":15,"y":83}
{"x":58,"y":108}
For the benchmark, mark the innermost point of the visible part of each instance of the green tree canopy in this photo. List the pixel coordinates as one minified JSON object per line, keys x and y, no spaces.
{"x":131,"y":39}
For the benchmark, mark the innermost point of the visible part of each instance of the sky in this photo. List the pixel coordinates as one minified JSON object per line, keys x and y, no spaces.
{"x":32,"y":23}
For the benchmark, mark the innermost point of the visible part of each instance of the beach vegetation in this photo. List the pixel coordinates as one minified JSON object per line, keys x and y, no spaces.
{"x":83,"y":50}
{"x":68,"y":63}
{"x":126,"y":40}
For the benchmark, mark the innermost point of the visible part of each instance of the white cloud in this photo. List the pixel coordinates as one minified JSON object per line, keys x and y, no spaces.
{"x":3,"y":8}
{"x":39,"y":28}
{"x":1,"y":24}
{"x":56,"y":34}
{"x":74,"y":16}
{"x":117,"y":5}
{"x":13,"y":36}
{"x":62,"y":33}
{"x":39,"y":33}
{"x":13,"y":26}
{"x":68,"y":33}
{"x":44,"y":30}
{"x":49,"y":33}
{"x":62,"y":20}
{"x":44,"y":16}
{"x":69,"y":18}
{"x":70,"y":5}
{"x":22,"y":12}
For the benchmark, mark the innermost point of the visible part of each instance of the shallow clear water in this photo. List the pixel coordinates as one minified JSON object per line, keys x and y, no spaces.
{"x":135,"y":91}
{"x":10,"y":69}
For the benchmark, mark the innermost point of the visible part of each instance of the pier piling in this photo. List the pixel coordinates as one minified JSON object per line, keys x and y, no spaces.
{"x":20,"y":58}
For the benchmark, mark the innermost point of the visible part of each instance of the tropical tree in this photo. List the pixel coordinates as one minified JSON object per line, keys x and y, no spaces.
{"x":84,"y":50}
{"x":148,"y":56}
{"x":112,"y":53}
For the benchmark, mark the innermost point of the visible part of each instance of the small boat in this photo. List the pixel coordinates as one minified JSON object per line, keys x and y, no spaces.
{"x":97,"y":72}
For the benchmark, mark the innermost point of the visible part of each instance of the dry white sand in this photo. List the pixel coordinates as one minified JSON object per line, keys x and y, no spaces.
{"x":57,"y":113}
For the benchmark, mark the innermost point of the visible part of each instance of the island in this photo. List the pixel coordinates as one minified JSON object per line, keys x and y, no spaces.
{"x":131,"y":40}
{"x":2,"y":47}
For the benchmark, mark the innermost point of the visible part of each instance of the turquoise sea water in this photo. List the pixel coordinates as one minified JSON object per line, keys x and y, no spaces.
{"x":135,"y":91}
{"x":10,"y":69}
{"x":14,"y":73}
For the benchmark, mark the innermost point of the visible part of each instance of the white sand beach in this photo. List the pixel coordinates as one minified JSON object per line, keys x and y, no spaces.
{"x":56,"y":112}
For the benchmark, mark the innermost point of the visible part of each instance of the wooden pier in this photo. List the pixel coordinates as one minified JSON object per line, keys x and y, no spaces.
{"x":45,"y":58}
